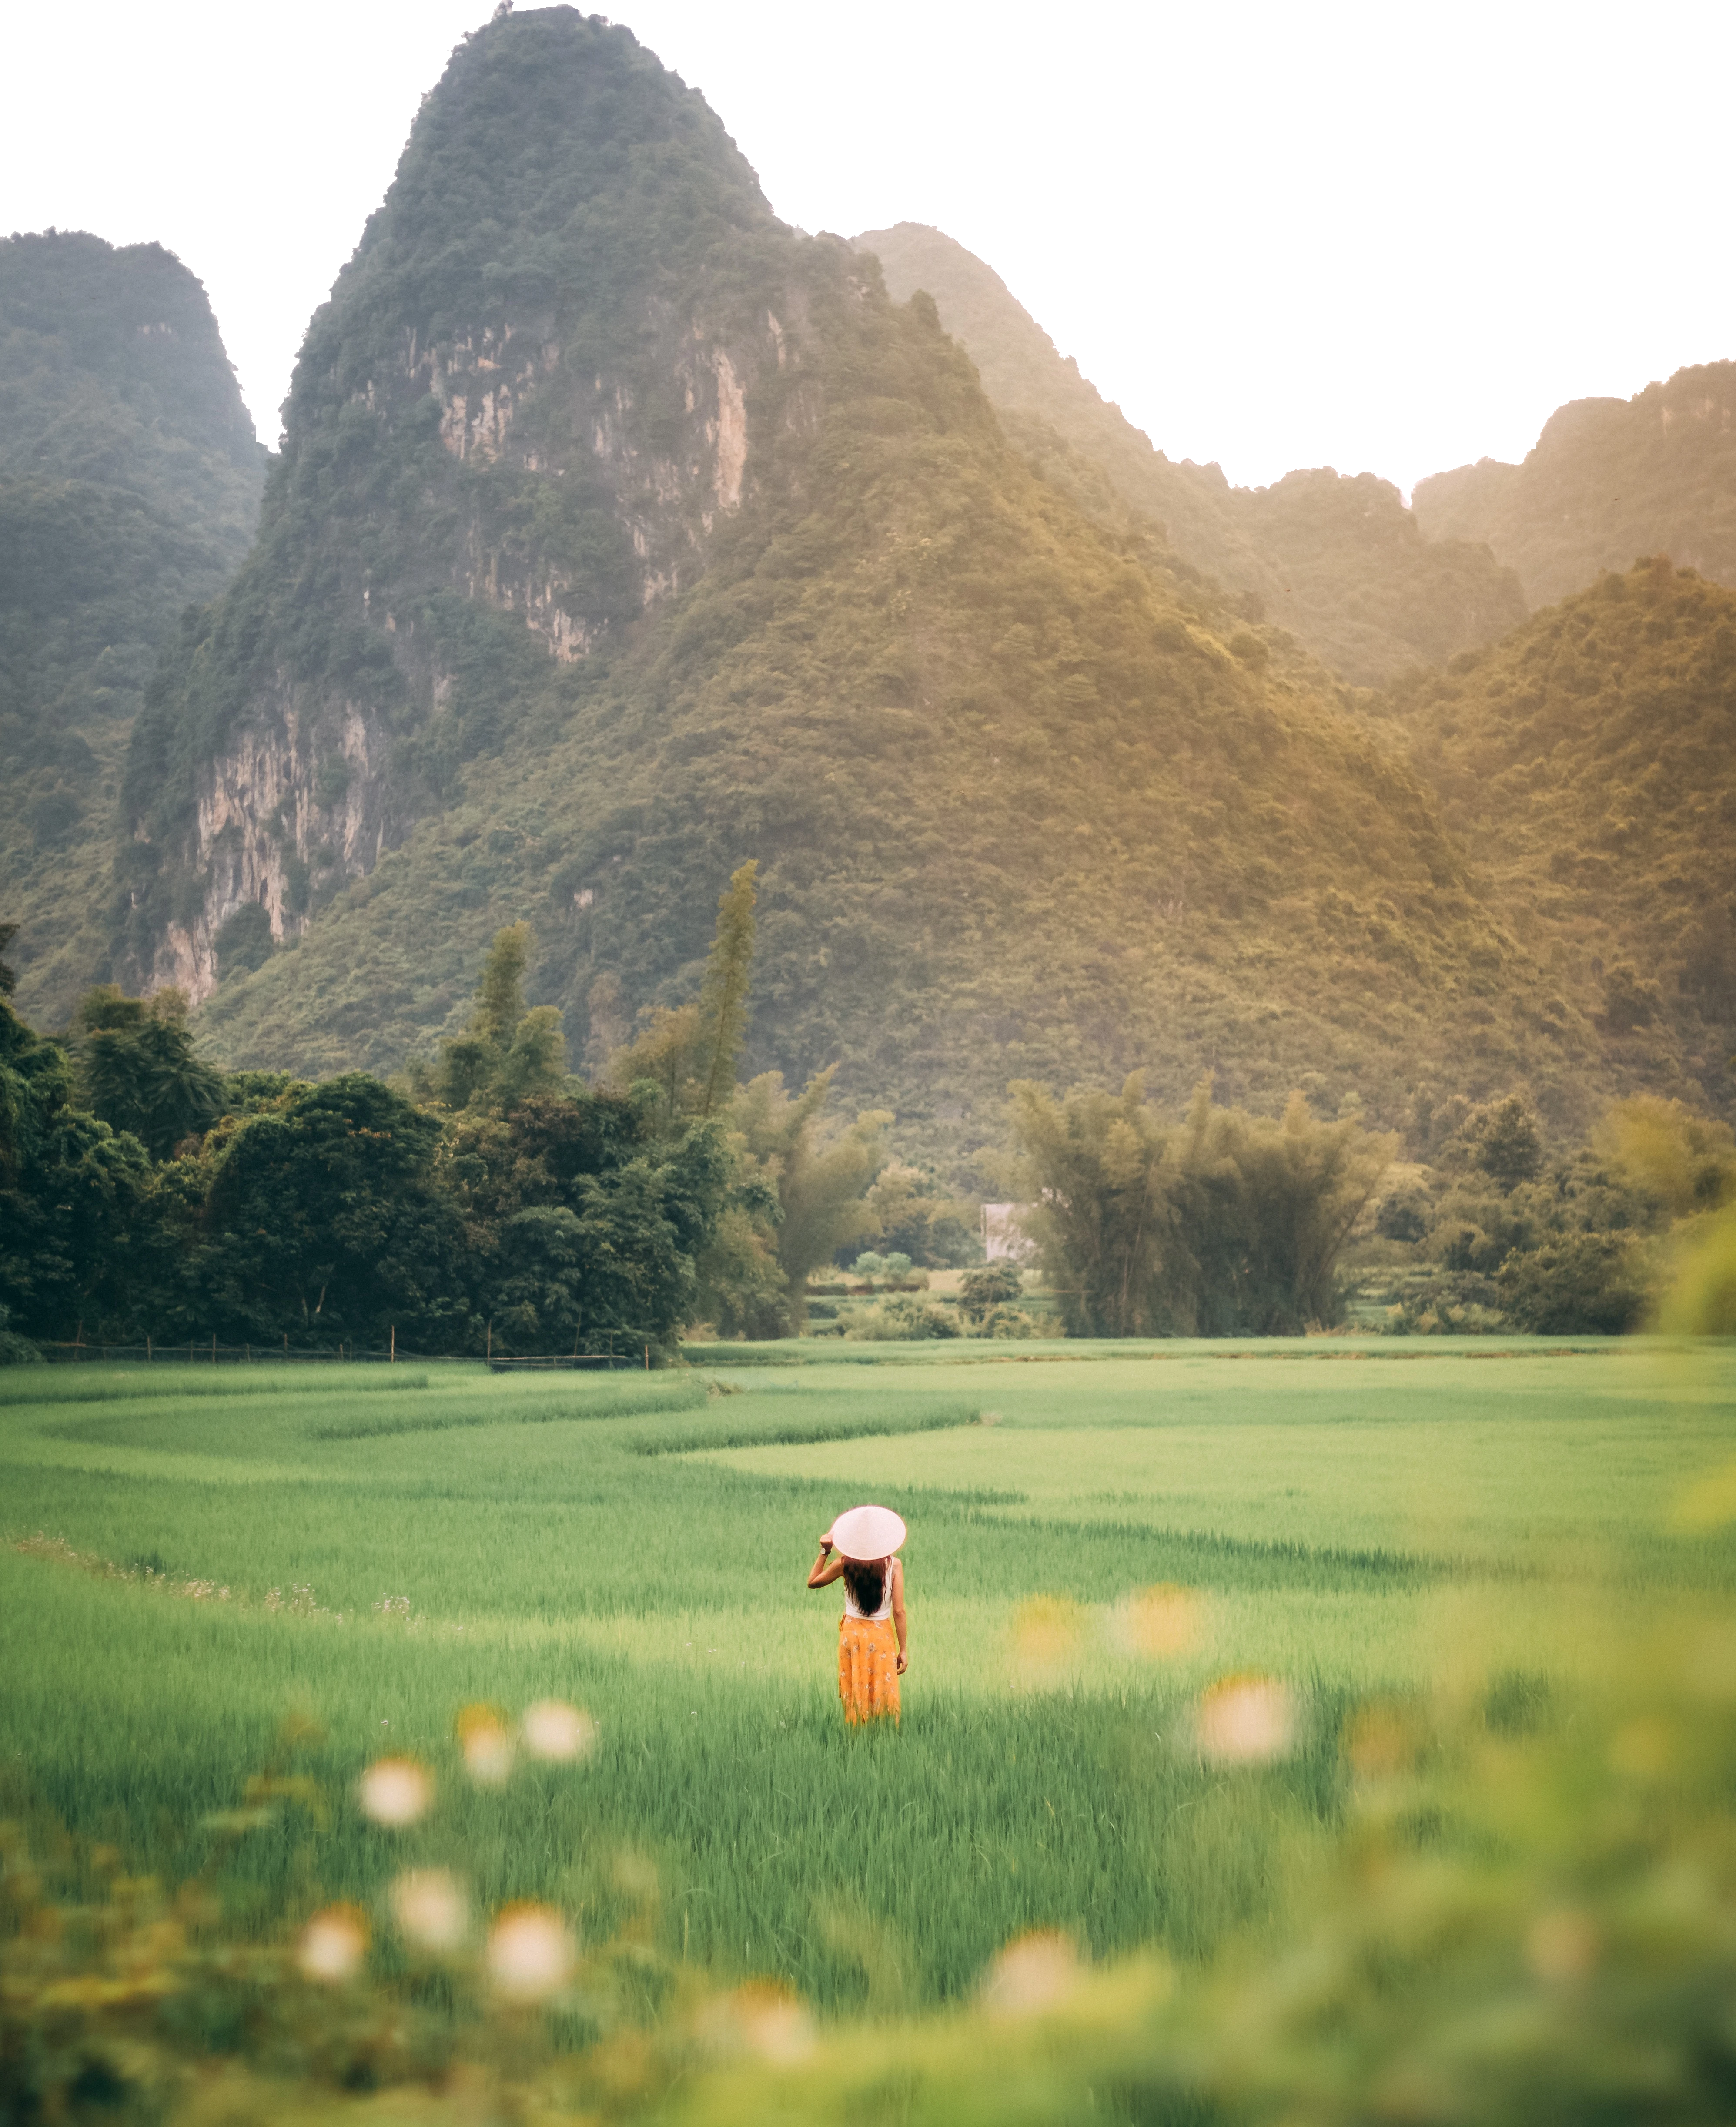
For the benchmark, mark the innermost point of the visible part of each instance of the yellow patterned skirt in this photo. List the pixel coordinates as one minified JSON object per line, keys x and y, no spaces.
{"x":867,"y":1669}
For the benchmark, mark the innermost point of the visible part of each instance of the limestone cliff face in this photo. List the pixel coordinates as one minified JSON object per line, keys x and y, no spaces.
{"x":550,"y":432}
{"x":308,"y":791}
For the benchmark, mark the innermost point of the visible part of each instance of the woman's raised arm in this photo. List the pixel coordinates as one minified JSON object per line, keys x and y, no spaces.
{"x":901,"y":1623}
{"x":820,"y":1572}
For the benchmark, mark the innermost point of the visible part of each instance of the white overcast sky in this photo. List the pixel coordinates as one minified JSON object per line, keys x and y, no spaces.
{"x":1389,"y":238}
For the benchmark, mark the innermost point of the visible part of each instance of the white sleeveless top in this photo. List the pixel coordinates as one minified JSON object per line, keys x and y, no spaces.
{"x":871,"y":1617}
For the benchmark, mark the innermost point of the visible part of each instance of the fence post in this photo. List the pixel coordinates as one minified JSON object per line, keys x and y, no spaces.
{"x":285,"y":1343}
{"x":147,"y":1347}
{"x":213,"y":1347}
{"x":393,"y":1361}
{"x":647,"y":1358}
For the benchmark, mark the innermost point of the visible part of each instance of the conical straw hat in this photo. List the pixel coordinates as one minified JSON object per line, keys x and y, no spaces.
{"x":867,"y":1533}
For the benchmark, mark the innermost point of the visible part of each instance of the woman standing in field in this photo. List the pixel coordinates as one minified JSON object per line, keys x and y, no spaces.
{"x":873,"y":1633}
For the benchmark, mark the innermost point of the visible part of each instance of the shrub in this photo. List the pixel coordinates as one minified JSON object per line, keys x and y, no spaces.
{"x":982,"y":1291}
{"x":895,"y":1320}
{"x":1582,"y":1284}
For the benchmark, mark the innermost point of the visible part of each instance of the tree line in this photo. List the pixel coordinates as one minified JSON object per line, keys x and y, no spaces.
{"x":487,"y":1199}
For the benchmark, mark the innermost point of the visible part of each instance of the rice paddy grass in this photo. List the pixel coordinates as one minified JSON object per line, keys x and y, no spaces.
{"x":189,"y":1560}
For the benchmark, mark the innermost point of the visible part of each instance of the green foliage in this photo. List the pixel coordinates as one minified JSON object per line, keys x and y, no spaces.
{"x":1610,"y":479}
{"x":1585,"y":760}
{"x":1505,"y":1143}
{"x":1582,"y":1284}
{"x":509,"y":1055}
{"x":317,"y":1216}
{"x":15,"y":1351}
{"x":901,"y":1319}
{"x":130,"y":482}
{"x":535,"y":1216}
{"x":1229,"y":1224}
{"x":584,"y":1229}
{"x":75,"y":1210}
{"x":915,"y":1216}
{"x":822,"y":1184}
{"x":982,"y":1292}
{"x":137,"y":1069}
{"x":723,"y":996}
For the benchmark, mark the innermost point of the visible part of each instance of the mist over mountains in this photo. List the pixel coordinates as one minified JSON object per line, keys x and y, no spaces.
{"x":1339,"y":562}
{"x":130,"y":483}
{"x":1610,"y":479}
{"x":620,"y":534}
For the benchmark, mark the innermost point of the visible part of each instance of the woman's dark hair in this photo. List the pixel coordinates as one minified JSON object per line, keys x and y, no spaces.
{"x":867,"y":1583}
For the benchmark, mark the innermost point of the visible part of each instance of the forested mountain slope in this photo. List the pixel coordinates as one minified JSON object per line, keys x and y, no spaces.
{"x":620,"y":534}
{"x":130,"y":482}
{"x":1609,"y":481}
{"x":1337,"y":561}
{"x":1589,"y":763}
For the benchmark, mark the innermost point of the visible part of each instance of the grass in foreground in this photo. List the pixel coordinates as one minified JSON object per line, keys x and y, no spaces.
{"x":1463,"y":1539}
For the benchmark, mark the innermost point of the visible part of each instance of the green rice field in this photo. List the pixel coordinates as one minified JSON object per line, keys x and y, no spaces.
{"x":190,"y":1559}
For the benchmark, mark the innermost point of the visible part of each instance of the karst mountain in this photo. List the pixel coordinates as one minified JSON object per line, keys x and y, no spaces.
{"x":130,"y":482}
{"x":621,"y":533}
{"x":1610,"y":481}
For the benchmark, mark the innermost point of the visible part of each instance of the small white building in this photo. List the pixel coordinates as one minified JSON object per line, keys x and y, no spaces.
{"x":1004,"y":1237}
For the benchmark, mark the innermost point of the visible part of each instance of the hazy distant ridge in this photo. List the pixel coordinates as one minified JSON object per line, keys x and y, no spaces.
{"x":1339,"y":561}
{"x":1610,"y":480}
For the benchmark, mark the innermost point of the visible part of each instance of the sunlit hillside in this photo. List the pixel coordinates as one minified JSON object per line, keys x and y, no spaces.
{"x":1339,"y":562}
{"x":641,"y":535}
{"x":1587,"y":761}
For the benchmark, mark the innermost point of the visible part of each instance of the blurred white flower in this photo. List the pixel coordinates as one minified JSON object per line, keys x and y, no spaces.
{"x":555,"y":1730}
{"x":1030,"y":1975}
{"x":394,"y":1791}
{"x":1246,"y":1721}
{"x":530,"y":1953}
{"x":332,"y":1945}
{"x":487,"y":1745}
{"x":431,"y":1909}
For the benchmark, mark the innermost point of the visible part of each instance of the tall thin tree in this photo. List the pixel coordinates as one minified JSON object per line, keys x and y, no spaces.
{"x":723,"y":996}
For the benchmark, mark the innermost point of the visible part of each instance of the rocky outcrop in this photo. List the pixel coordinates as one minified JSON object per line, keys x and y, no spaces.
{"x":565,"y":457}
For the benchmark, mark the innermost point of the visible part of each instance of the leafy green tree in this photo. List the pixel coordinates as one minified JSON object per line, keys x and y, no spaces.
{"x":508,"y":1055}
{"x":900,"y":1319}
{"x":915,"y":1216}
{"x":76,"y":1215}
{"x":617,"y":1267}
{"x":822,"y":1184}
{"x":581,"y":1221}
{"x":1576,"y":1284}
{"x":1229,"y":1224}
{"x":9,"y":979}
{"x":982,"y":1291}
{"x":1681,"y":1162}
{"x":1505,"y":1142}
{"x":139,"y":1071}
{"x":723,"y":997}
{"x":318,"y":1219}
